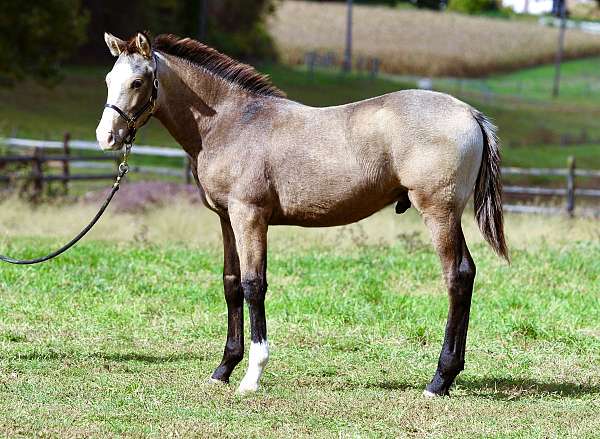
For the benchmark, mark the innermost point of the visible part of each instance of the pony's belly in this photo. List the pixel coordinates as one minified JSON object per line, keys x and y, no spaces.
{"x":332,"y":212}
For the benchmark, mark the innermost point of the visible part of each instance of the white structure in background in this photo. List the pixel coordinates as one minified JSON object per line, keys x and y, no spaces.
{"x":535,"y":7}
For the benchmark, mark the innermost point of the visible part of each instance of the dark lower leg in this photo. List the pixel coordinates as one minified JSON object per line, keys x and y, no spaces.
{"x":234,"y":347}
{"x":460,"y":273}
{"x":254,"y":293}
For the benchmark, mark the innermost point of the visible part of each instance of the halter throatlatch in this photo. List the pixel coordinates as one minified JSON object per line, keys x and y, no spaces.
{"x":149,"y":105}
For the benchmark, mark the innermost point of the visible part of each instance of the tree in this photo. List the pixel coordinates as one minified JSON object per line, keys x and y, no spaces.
{"x":37,"y":35}
{"x":236,"y":27}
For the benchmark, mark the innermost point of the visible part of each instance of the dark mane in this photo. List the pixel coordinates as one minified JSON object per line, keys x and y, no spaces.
{"x":217,"y":63}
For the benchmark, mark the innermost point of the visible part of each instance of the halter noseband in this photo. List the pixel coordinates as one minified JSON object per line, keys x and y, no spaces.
{"x":131,"y":120}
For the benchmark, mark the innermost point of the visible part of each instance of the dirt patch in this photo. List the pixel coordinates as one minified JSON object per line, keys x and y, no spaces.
{"x":136,"y":197}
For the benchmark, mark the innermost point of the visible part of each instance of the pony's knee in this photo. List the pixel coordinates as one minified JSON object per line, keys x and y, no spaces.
{"x":231,"y":284}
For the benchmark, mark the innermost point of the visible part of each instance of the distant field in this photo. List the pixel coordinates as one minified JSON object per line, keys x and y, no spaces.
{"x":422,"y":42}
{"x":580,"y":83}
{"x":119,"y":336}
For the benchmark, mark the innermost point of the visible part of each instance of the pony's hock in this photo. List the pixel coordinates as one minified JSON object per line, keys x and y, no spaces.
{"x":260,"y":159}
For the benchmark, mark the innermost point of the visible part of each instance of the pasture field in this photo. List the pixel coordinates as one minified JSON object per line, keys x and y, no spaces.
{"x":419,"y":42}
{"x":32,"y":111}
{"x":580,"y":84}
{"x":119,"y":336}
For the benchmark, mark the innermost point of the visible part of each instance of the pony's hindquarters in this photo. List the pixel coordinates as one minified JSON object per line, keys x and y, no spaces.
{"x":456,"y":155}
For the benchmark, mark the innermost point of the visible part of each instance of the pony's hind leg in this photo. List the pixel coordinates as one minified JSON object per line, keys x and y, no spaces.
{"x":234,"y":346}
{"x":459,"y":273}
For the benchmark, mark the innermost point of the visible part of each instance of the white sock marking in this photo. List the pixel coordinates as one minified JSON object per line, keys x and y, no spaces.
{"x":259,"y":356}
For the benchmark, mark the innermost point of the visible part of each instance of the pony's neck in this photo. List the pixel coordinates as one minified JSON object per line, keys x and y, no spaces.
{"x":191,"y":101}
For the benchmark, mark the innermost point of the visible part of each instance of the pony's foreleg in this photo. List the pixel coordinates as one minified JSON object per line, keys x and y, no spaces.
{"x":459,"y":273}
{"x":250,"y":228}
{"x":234,"y":346}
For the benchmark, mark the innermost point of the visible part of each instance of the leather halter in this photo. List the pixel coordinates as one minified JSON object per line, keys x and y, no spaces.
{"x":131,"y":120}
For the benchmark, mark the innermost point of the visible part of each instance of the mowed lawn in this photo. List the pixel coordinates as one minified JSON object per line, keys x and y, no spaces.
{"x":119,"y":336}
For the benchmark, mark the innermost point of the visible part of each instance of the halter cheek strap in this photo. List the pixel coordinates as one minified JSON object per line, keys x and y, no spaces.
{"x":149,"y":105}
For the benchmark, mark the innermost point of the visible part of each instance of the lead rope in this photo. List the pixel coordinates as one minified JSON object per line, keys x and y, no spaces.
{"x":123,"y":170}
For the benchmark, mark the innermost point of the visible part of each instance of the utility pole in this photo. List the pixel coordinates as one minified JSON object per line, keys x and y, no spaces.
{"x":561,"y":11}
{"x":203,"y":11}
{"x":348,"y":52}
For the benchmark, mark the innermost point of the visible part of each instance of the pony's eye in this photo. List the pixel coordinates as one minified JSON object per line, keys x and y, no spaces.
{"x":136,"y":84}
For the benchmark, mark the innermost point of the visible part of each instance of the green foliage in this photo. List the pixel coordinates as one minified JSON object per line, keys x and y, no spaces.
{"x":237,"y":28}
{"x":428,"y":4}
{"x":36,"y":36}
{"x":472,"y":6}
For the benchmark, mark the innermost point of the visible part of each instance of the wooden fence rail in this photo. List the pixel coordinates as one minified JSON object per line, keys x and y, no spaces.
{"x":38,"y":176}
{"x":570,"y":192}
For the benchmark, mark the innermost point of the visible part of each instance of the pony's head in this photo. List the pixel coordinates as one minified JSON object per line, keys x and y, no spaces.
{"x":132,"y":89}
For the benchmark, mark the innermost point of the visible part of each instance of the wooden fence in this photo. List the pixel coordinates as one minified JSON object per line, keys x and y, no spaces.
{"x":37,"y":177}
{"x":38,"y":153}
{"x":570,"y":192}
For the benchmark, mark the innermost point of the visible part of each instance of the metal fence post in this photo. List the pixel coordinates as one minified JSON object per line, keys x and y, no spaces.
{"x":571,"y":186}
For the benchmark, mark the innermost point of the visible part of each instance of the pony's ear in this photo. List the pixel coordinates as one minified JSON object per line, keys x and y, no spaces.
{"x":115,"y":45}
{"x":143,"y":45}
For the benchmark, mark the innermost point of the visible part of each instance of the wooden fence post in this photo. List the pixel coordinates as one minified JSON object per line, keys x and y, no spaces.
{"x":65,"y":163}
{"x":37,"y":172}
{"x":571,"y":186}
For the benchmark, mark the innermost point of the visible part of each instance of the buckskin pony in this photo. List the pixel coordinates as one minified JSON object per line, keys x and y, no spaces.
{"x":260,"y":159}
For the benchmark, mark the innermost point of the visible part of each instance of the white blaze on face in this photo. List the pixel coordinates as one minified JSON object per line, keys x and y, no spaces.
{"x":112,"y":127}
{"x":259,"y":356}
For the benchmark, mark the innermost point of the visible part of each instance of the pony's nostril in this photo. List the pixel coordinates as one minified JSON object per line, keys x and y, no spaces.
{"x":110,"y":140}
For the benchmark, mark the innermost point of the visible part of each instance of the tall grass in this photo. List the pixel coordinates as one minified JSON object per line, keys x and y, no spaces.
{"x":422,"y":42}
{"x":180,"y":221}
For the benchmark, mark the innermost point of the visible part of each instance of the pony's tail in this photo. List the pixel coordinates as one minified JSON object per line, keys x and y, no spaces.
{"x":488,"y":189}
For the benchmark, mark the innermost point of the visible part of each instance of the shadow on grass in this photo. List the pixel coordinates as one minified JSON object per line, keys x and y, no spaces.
{"x":517,"y":388}
{"x":116,"y":357}
{"x":510,"y":389}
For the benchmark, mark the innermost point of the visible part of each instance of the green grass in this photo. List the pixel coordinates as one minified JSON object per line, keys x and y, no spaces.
{"x":119,"y":336}
{"x":579,"y":82}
